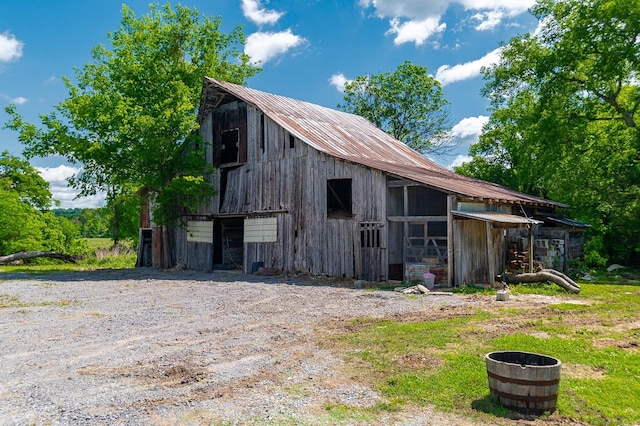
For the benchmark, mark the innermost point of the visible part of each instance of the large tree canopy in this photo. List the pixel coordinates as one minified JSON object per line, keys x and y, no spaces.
{"x":407,"y":103}
{"x":563,"y":122}
{"x":18,"y":175}
{"x":25,"y":224}
{"x":131,"y":112}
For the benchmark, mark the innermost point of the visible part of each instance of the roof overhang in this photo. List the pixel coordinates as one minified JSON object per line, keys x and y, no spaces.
{"x":501,"y":219}
{"x":567,"y":222}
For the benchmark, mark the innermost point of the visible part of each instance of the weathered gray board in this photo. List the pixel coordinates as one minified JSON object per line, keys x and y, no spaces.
{"x":286,"y":179}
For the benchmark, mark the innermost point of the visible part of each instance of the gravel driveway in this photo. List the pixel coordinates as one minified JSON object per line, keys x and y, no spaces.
{"x":143,"y":346}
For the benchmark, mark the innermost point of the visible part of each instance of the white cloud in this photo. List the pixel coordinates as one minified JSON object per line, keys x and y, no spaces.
{"x":511,"y":7}
{"x":470,"y":126}
{"x":338,"y":81}
{"x":62,"y":192}
{"x":253,"y":11}
{"x":448,"y":74}
{"x":415,"y":31}
{"x":467,"y":131}
{"x":20,"y":100}
{"x":264,"y":46}
{"x":488,"y":20}
{"x":418,"y":20}
{"x":10,"y":47}
{"x":459,"y":161}
{"x":412,"y":9}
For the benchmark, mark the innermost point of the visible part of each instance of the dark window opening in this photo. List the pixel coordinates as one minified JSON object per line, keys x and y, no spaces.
{"x":426,"y":202}
{"x":417,"y":234}
{"x":230,"y":146}
{"x":292,"y":142}
{"x":437,"y":229}
{"x":339,"y":198}
{"x":370,"y":235}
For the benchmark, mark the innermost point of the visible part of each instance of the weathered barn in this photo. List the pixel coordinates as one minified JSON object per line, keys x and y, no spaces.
{"x":308,"y":189}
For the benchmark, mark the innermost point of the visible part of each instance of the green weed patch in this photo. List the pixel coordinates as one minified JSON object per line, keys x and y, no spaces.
{"x":596,"y":334}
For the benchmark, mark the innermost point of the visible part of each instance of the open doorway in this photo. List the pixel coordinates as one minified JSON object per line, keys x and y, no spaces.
{"x":228,"y":247}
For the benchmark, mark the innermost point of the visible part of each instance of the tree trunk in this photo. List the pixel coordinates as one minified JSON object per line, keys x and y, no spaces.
{"x":32,"y":254}
{"x":543,"y":276}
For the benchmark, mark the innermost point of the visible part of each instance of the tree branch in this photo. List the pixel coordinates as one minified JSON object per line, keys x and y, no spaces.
{"x":32,"y":254}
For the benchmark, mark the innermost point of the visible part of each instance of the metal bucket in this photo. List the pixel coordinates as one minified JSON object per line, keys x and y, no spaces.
{"x":524,"y":381}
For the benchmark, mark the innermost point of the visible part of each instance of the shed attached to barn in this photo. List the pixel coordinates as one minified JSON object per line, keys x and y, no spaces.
{"x":307,"y":189}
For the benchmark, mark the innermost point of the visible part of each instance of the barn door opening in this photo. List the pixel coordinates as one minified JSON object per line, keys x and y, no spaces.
{"x":372,"y":248}
{"x":228,"y":247}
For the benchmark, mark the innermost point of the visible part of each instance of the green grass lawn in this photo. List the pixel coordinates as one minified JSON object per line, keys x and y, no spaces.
{"x":596,"y":335}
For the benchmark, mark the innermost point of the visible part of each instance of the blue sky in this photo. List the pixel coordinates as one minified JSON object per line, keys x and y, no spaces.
{"x":307,"y":50}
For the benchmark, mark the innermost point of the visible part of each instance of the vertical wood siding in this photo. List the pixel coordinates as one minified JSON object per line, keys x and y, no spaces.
{"x":290,"y":184}
{"x":470,"y":252}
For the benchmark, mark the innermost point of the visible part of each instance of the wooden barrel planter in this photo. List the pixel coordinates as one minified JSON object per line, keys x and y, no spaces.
{"x":524,"y":381}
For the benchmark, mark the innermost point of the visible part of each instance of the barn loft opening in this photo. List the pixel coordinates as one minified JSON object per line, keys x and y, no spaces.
{"x":339,"y":198}
{"x":230,"y":146}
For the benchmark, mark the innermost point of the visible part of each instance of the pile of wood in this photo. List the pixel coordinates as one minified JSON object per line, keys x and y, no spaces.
{"x":518,"y":260}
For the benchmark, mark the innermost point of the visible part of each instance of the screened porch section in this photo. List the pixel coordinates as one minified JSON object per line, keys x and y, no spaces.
{"x":418,"y":241}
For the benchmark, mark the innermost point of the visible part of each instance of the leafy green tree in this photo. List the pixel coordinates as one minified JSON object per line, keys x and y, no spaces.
{"x":20,"y":223}
{"x":61,"y":235}
{"x":25,"y":180}
{"x":563,"y":121}
{"x":25,"y":224}
{"x":123,"y":214}
{"x":407,"y":103}
{"x":93,"y":223}
{"x":131,"y":115}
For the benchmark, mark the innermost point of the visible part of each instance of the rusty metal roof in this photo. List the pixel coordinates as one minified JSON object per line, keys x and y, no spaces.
{"x":495,"y":217}
{"x":355,"y":139}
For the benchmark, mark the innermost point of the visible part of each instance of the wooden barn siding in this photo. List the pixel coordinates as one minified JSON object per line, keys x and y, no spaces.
{"x":195,"y":256}
{"x":291,"y":183}
{"x":470,"y":252}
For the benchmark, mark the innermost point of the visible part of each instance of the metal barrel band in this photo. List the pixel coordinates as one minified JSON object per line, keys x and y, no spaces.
{"x":522,"y":381}
{"x":525,"y":398}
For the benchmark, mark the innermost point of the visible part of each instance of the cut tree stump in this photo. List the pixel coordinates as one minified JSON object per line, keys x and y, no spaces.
{"x":32,"y":254}
{"x":545,"y":275}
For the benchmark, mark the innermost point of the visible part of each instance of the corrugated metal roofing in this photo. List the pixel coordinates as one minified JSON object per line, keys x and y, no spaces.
{"x":567,"y":222}
{"x":353,"y":138}
{"x":494,"y":217}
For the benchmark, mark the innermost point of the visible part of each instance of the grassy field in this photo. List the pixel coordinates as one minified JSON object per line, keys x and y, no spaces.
{"x":100,"y":254}
{"x":440,"y":361}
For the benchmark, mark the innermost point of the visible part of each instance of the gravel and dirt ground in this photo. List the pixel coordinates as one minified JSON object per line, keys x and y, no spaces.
{"x":141,"y":346}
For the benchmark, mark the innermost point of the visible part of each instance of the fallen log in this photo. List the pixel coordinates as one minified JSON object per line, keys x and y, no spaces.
{"x":33,"y":254}
{"x":543,"y":276}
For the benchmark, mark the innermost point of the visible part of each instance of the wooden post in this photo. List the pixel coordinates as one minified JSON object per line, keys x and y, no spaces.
{"x":490,"y":254}
{"x":450,"y":206}
{"x":405,"y":229}
{"x":531,"y":269}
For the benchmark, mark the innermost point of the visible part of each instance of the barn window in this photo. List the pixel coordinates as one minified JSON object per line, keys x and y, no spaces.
{"x":339,"y":198}
{"x":292,"y":142}
{"x":370,"y":234}
{"x":230,"y":146}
